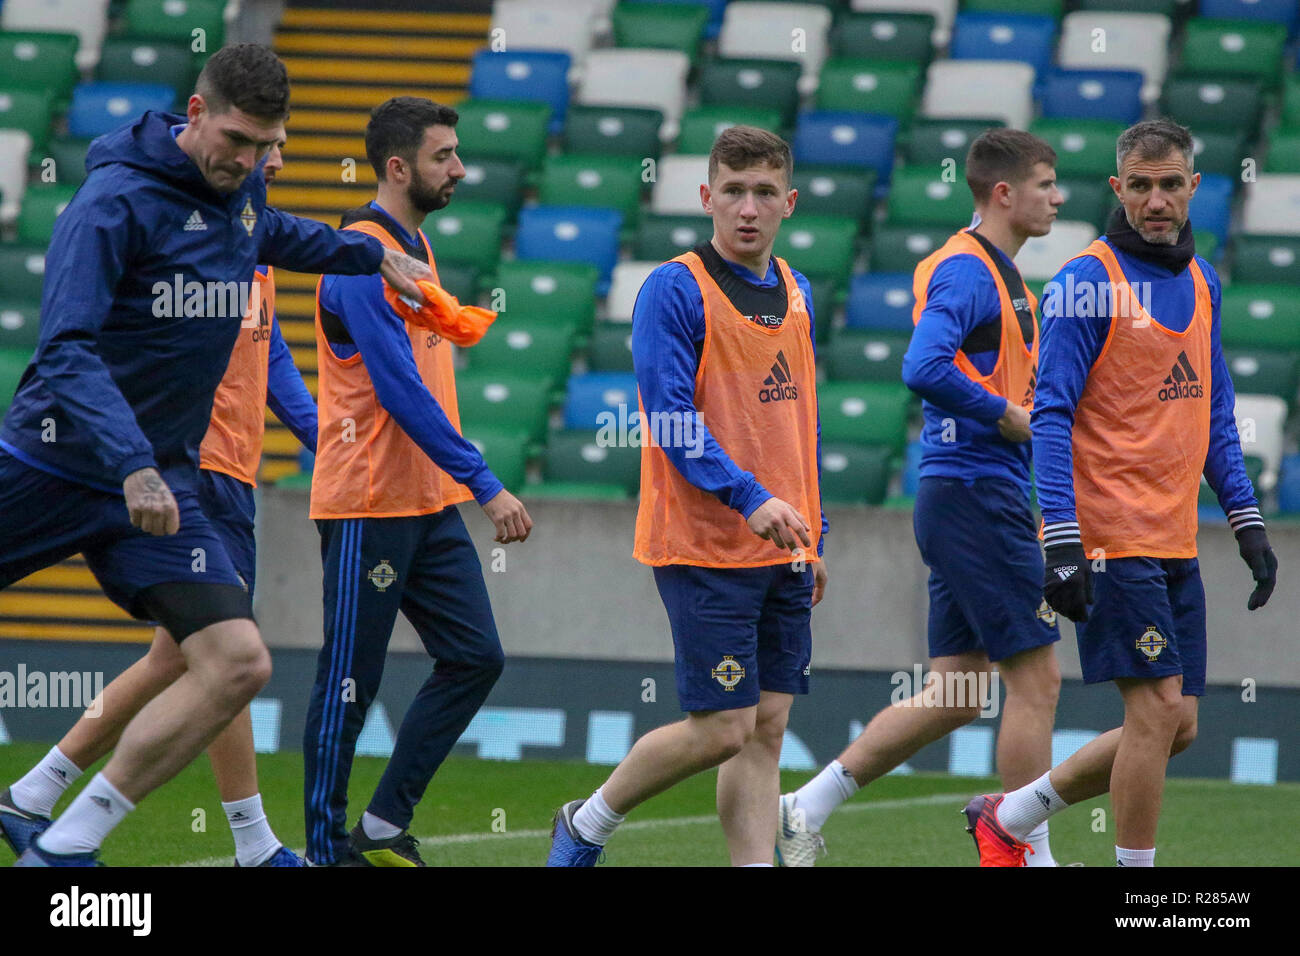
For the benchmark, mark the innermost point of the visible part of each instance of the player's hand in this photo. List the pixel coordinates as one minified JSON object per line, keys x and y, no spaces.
{"x":509,"y":516}
{"x":1014,"y":423}
{"x":401,"y":272}
{"x":1067,"y":581}
{"x":779,"y":523}
{"x":819,"y":581}
{"x":150,"y":503}
{"x":1252,"y":542}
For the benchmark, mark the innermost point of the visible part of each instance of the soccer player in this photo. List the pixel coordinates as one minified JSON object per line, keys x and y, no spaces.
{"x":391,"y":466}
{"x":261,"y":373}
{"x":99,"y":451}
{"x":1134,"y":404}
{"x":722,"y":338}
{"x":972,"y":360}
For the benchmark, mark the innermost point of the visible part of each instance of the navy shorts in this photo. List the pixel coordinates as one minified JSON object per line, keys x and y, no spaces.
{"x":228,"y":503}
{"x":1147,"y":620}
{"x":980,"y":543}
{"x":737,"y":631}
{"x":45,"y":519}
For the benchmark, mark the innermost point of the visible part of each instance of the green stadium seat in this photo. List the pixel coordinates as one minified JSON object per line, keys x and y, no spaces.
{"x":900,"y":248}
{"x":127,"y":60}
{"x":28,"y":110}
{"x":935,"y":140}
{"x":856,"y":356}
{"x":586,"y":179}
{"x":1220,"y":152}
{"x":613,"y":130}
{"x":1254,"y":468}
{"x":503,"y":129}
{"x":1214,"y":103}
{"x":513,"y":401}
{"x":13,"y":362}
{"x":1266,"y":259}
{"x":578,"y":458}
{"x":493,"y":180}
{"x":835,"y":191}
{"x":560,"y":293}
{"x":663,"y":26}
{"x":855,"y":474}
{"x":869,"y":413}
{"x":1086,"y":199}
{"x":1083,"y":147}
{"x":701,"y":126}
{"x":921,"y":196}
{"x":767,"y":84}
{"x":1257,"y":372}
{"x":41,"y":206}
{"x":1168,"y":8}
{"x":1284,"y":151}
{"x":610,"y":348}
{"x":1260,"y":316}
{"x":69,"y":157}
{"x":820,"y":246}
{"x":870,"y":86}
{"x":460,"y":279}
{"x":45,"y":62}
{"x":505,"y":451}
{"x":22,"y":272}
{"x":1251,"y":48}
{"x":1291,"y":101}
{"x":1207,"y":244}
{"x":825,"y":297}
{"x":521,"y":343}
{"x":660,"y":238}
{"x":1043,"y":8}
{"x":176,"y":20}
{"x":467,"y":232}
{"x":20,"y":324}
{"x":885,"y":36}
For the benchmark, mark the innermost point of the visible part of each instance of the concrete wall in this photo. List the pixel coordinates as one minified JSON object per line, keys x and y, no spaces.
{"x":573,"y":590}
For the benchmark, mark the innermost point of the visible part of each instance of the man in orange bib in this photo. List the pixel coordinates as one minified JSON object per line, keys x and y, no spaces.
{"x":1134,"y":403}
{"x":722,"y":339}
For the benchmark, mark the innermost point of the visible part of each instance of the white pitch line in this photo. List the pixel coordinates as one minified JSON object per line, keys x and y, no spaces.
{"x":458,"y":838}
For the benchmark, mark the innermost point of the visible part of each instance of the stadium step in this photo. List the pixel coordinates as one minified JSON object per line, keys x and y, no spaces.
{"x":364,"y":22}
{"x":64,"y":602}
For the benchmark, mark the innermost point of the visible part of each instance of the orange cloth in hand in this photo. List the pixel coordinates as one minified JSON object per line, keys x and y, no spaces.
{"x":462,"y":325}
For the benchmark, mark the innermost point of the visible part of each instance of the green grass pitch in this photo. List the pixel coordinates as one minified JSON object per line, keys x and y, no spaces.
{"x":491,"y":813}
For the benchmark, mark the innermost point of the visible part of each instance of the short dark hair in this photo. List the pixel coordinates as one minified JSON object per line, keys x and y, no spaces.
{"x":741,"y":147}
{"x":397,"y":126}
{"x":1154,"y":139}
{"x":248,"y":76}
{"x":1003,"y":156}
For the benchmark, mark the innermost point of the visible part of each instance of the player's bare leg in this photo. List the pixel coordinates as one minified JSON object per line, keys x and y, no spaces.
{"x":1033,"y":681}
{"x":233,"y":759}
{"x":749,"y":785}
{"x":1152,"y":710}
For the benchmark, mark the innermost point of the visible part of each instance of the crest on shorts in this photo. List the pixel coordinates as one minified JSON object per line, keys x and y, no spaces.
{"x":382,"y":575}
{"x":248,"y":217}
{"x":1152,"y":642}
{"x":728,"y":673}
{"x":1046,"y":614}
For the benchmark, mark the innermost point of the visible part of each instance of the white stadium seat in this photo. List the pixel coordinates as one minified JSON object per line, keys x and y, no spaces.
{"x":778,"y":31}
{"x":1093,"y":40}
{"x":677,"y":186}
{"x":980,"y":89}
{"x":1272,"y":205}
{"x":86,"y":18}
{"x":626,"y":283}
{"x":1041,"y":257}
{"x":636,"y":77}
{"x":943,"y":11}
{"x":1260,"y":421}
{"x":15,"y":147}
{"x":544,"y":25}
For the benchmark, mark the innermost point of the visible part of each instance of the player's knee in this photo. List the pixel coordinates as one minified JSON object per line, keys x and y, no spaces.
{"x":245,"y":663}
{"x":165,"y":661}
{"x":1184,"y":737}
{"x":954,"y":717}
{"x":1160,"y":711}
{"x":729,"y":733}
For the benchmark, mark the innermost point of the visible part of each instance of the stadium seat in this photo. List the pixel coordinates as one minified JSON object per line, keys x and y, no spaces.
{"x":558,"y":293}
{"x":497,"y":129}
{"x":1042,"y":8}
{"x":664,"y":26}
{"x":177,"y":20}
{"x":505,"y":451}
{"x":492,"y":181}
{"x":1272,"y":205}
{"x":881,"y":301}
{"x":1087,"y":199}
{"x":1093,"y":94}
{"x":626,"y":282}
{"x":1165,"y":8}
{"x":1284,"y":151}
{"x":1208,"y":246}
{"x":587,"y":179}
{"x":1288,"y":486}
{"x":13,"y":362}
{"x":900,"y":248}
{"x":540,"y":76}
{"x":1233,"y":48}
{"x":544,"y":25}
{"x":922,"y":196}
{"x":887,"y":87}
{"x":833,"y":191}
{"x":979,"y":89}
{"x":1004,"y":36}
{"x":41,"y":206}
{"x":1211,"y":207}
{"x":884,"y":36}
{"x":467,"y":232}
{"x":28,"y":110}
{"x":856,"y":356}
{"x":1260,"y":423}
{"x":15,"y":149}
{"x":1134,"y":41}
{"x":129,"y":60}
{"x":510,"y":401}
{"x":577,"y":457}
{"x":1264,"y":372}
{"x":1219,"y":151}
{"x":20,"y":325}
{"x":22,"y":272}
{"x":870,"y":413}
{"x":571,"y":234}
{"x":761,"y":84}
{"x":1041,"y":257}
{"x":677,"y":185}
{"x":935,"y":140}
{"x":461,"y":280}
{"x":854,"y":474}
{"x":87,"y":19}
{"x":597,"y":392}
{"x":818,"y":246}
{"x":99,"y":108}
{"x":517,"y":343}
{"x":647,"y":78}
{"x":771,"y":31}
{"x":1266,"y":259}
{"x":613,"y":130}
{"x":1214,"y":103}
{"x":1260,"y":316}
{"x":702,"y":125}
{"x":610,"y":348}
{"x":1274,"y":11}
{"x":860,"y":140}
{"x":661,"y":238}
{"x":39,"y":61}
{"x":943,"y":12}
{"x":1083,"y":147}
{"x":1291,"y":100}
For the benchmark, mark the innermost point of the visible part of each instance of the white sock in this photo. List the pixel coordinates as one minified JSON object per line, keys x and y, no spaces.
{"x":1041,"y":845}
{"x":1125,"y":857}
{"x":743,"y":865}
{"x":377,"y":828}
{"x":254,"y":841}
{"x":1024,"y":809}
{"x":823,"y":793}
{"x":88,"y":820}
{"x":595,"y":821}
{"x":40,"y":788}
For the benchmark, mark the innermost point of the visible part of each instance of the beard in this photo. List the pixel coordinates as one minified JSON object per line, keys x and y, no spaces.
{"x":424,"y":197}
{"x":1167,"y":238}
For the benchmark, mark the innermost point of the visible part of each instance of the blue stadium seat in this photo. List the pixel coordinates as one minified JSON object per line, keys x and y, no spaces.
{"x":912,"y":469}
{"x":1092,"y":94}
{"x":99,"y":108}
{"x":1288,"y":486}
{"x":531,"y":75}
{"x":1278,"y":11}
{"x":597,"y":392}
{"x":833,"y":138}
{"x":1004,"y":36}
{"x":881,"y":301}
{"x":1211,"y":207}
{"x":571,"y":234}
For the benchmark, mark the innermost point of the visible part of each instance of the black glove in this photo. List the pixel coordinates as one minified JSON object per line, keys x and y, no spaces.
{"x":1252,"y":542}
{"x":1067,"y":581}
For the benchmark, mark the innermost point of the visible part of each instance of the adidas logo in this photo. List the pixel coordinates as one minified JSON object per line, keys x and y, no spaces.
{"x":101,"y":802}
{"x":238,"y":816}
{"x":1042,"y":798}
{"x":1182,"y":382}
{"x":195,"y":223}
{"x":1064,"y":573}
{"x":779,"y":388}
